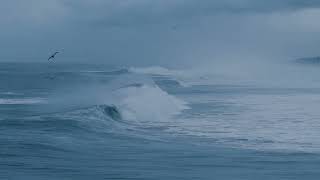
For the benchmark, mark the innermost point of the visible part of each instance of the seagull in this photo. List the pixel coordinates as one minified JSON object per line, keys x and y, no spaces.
{"x":53,"y":56}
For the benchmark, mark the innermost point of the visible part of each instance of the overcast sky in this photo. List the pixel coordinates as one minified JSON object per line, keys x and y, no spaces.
{"x":158,"y":32}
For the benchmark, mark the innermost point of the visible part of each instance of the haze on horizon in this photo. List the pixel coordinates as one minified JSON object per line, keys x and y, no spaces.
{"x":158,"y":32}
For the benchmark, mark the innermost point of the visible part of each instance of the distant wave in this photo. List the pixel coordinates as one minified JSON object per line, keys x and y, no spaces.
{"x":68,"y":74}
{"x":10,"y":93}
{"x":155,"y":70}
{"x":309,"y":60}
{"x":22,"y":101}
{"x":114,"y":72}
{"x":183,"y":77}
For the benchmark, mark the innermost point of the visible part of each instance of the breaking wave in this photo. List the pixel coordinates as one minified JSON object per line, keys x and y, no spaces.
{"x":134,"y":99}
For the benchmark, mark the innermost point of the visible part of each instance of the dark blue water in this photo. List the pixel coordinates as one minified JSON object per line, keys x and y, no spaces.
{"x":67,"y":121}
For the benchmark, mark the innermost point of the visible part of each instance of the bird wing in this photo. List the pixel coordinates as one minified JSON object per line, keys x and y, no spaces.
{"x":52,"y":56}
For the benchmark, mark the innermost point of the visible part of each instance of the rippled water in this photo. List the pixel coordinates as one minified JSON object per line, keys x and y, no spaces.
{"x":69,"y":121}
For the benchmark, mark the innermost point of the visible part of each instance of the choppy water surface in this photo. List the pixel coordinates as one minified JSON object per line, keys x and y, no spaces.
{"x":69,"y":121}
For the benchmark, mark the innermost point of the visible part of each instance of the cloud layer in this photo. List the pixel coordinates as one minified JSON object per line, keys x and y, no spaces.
{"x":148,"y":32}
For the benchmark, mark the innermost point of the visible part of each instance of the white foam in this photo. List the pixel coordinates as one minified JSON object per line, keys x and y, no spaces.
{"x":261,"y":122}
{"x":148,"y":104}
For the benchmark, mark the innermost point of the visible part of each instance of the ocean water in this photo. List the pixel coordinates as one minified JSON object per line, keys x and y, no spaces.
{"x":73,"y":121}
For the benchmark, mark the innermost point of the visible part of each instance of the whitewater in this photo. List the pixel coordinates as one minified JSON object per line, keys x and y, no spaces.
{"x":69,"y":121}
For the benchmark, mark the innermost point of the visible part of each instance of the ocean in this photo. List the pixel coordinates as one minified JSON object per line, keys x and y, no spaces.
{"x":78,"y":121}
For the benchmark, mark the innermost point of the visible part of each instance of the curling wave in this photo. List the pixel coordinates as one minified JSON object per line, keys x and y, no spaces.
{"x":134,"y":99}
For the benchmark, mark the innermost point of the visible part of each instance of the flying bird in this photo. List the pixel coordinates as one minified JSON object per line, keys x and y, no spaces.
{"x":53,"y":56}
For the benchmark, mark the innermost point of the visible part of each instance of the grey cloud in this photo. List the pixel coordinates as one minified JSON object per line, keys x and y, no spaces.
{"x":136,"y":11}
{"x":147,"y":32}
{"x":146,"y":11}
